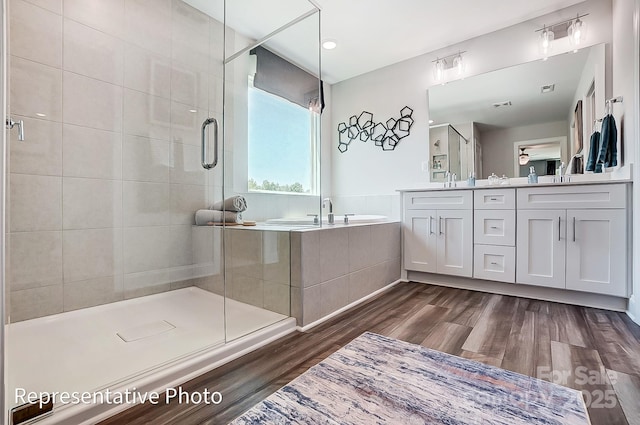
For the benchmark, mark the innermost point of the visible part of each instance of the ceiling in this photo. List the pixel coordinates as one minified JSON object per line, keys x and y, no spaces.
{"x":372,"y":34}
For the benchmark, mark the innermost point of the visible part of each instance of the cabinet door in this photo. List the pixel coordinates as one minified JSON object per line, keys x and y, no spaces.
{"x":420,"y":240}
{"x":455,"y":242}
{"x":541,"y":246}
{"x":597,"y":251}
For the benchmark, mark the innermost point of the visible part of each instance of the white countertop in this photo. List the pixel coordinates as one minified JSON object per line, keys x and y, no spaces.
{"x":513,"y":183}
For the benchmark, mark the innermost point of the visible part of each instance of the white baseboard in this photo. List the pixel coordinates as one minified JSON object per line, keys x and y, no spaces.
{"x":525,"y":291}
{"x":347,"y":307}
{"x":632,"y":310}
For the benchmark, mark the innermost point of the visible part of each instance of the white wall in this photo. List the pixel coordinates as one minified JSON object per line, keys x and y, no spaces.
{"x":626,"y":83}
{"x":497,"y":145}
{"x":364,"y":171}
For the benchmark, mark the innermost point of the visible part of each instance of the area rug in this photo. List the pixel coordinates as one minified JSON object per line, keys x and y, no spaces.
{"x":380,"y":380}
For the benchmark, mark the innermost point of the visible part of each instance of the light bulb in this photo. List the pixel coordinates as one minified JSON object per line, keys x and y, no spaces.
{"x":459,"y":65}
{"x":546,"y":41}
{"x":439,"y":70}
{"x":576,"y":32}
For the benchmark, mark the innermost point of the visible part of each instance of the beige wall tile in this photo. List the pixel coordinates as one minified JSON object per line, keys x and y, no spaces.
{"x":216,"y":89}
{"x":189,"y":86}
{"x":185,"y":165}
{"x":334,"y":295}
{"x":213,"y":284}
{"x":334,"y":253}
{"x":361,"y":283}
{"x":276,"y":257}
{"x":147,"y":24}
{"x":89,"y":293}
{"x":35,"y":203}
{"x":36,"y":302}
{"x":135,"y":288}
{"x":186,"y":124}
{"x":146,"y":248}
{"x":248,"y":290}
{"x":103,"y":15}
{"x":296,"y":305}
{"x":51,"y":5}
{"x":91,"y":203}
{"x":190,"y":37}
{"x":277,"y":297}
{"x":145,"y":204}
{"x":360,"y":247}
{"x":207,"y":247}
{"x":386,"y":240}
{"x":312,"y":299}
{"x":181,"y":246}
{"x":246,"y":253}
{"x":310,"y":258}
{"x":35,"y":89}
{"x":146,"y":115}
{"x":36,"y":33}
{"x":93,"y":53}
{"x":296,"y":258}
{"x":41,"y":152}
{"x":92,"y":103}
{"x":35,"y":259}
{"x":185,"y":201}
{"x":92,"y":253}
{"x":91,"y":153}
{"x":146,"y":71}
{"x":145,"y":159}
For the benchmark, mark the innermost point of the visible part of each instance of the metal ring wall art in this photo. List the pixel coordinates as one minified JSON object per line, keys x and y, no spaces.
{"x":386,"y":135}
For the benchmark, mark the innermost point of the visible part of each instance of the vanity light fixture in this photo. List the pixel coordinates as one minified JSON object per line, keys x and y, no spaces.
{"x":523,"y":159}
{"x":575,"y":29}
{"x":577,"y":32}
{"x":441,"y":65}
{"x":546,"y":41}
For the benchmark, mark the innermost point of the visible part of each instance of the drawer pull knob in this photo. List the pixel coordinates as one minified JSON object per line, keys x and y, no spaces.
{"x":493,"y":199}
{"x":494,"y":263}
{"x":494,"y":227}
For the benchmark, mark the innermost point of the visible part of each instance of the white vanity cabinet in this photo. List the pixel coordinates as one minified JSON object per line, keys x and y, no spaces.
{"x":494,"y":235}
{"x":574,"y":237}
{"x":438,"y":232}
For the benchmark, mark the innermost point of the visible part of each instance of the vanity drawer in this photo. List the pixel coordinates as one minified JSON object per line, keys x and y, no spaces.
{"x":494,"y":263}
{"x":567,"y":197}
{"x":439,"y":199}
{"x":495,"y":227}
{"x":496,"y":199}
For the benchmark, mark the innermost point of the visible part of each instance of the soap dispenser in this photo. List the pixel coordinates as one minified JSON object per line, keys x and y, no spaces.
{"x":533,"y":177}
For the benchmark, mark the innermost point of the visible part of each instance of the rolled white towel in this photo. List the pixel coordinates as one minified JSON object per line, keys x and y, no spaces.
{"x":235,"y":203}
{"x":209,"y":217}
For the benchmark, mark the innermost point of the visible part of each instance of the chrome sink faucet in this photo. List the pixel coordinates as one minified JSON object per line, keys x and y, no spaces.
{"x":330,"y":215}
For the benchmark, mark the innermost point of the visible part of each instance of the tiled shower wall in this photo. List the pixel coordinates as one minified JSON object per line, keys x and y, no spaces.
{"x":103,"y":189}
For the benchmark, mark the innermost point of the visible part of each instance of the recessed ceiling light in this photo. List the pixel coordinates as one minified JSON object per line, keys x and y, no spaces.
{"x":430,"y":121}
{"x":329,"y":44}
{"x":547,"y":88}
{"x":500,"y":104}
{"x":193,"y":111}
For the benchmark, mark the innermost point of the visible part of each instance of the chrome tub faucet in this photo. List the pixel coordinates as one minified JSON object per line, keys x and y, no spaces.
{"x":330,"y":217}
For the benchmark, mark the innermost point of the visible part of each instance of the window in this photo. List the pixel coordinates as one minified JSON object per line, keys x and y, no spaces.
{"x":281,"y":144}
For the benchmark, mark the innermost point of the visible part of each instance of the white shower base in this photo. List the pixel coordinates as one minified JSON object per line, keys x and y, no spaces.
{"x":81,"y":351}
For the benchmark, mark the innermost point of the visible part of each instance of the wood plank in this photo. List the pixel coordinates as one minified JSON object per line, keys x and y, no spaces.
{"x":489,"y":335}
{"x":416,"y":327}
{"x":627,"y":388}
{"x":481,"y":358}
{"x":520,"y":354}
{"x":447,"y":337}
{"x":582,"y":369}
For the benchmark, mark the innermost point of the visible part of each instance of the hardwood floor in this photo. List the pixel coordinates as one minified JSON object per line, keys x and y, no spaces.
{"x":595,"y":351}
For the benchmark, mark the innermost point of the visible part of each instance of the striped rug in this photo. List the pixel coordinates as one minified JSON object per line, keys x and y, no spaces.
{"x":380,"y":380}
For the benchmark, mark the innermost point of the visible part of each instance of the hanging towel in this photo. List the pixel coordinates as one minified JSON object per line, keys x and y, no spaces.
{"x":608,"y":152}
{"x":235,"y":203}
{"x":594,"y":146}
{"x":208,"y":217}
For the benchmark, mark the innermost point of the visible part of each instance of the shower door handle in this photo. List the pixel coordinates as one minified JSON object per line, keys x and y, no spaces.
{"x":209,"y":165}
{"x":11,"y":123}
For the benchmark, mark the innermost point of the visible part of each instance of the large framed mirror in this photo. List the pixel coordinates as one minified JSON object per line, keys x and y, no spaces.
{"x":540,"y":109}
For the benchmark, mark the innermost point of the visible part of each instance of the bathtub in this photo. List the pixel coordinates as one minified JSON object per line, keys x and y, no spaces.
{"x":339,"y":219}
